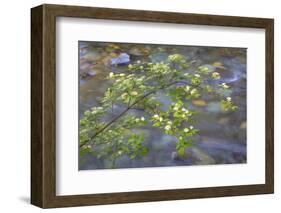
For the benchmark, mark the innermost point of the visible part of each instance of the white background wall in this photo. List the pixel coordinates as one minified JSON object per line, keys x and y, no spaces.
{"x":15,"y":106}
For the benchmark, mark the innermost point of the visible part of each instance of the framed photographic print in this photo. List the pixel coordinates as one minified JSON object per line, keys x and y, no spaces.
{"x":136,"y":106}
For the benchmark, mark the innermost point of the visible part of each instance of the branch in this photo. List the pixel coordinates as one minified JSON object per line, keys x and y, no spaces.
{"x":130,"y":107}
{"x":136,"y":108}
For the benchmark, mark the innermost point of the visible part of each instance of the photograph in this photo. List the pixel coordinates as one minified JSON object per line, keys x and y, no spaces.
{"x":141,"y":105}
{"x":160,"y":105}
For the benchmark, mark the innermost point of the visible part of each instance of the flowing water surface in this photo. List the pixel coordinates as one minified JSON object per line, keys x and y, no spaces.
{"x":222,"y":138}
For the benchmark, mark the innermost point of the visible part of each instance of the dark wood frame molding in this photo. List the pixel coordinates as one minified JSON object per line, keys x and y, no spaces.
{"x":43,"y":105}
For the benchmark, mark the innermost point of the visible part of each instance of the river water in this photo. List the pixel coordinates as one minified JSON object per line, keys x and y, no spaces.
{"x":222,"y":138}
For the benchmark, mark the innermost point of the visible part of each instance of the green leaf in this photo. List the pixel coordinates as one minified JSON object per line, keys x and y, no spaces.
{"x":181,"y":151}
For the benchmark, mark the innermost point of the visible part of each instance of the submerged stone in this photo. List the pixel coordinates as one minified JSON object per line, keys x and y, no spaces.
{"x":214,"y":107}
{"x":92,"y":73}
{"x":199,"y":103}
{"x":158,"y":57}
{"x":123,"y":58}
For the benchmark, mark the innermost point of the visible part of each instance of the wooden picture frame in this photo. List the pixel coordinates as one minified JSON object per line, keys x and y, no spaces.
{"x":43,"y":105}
